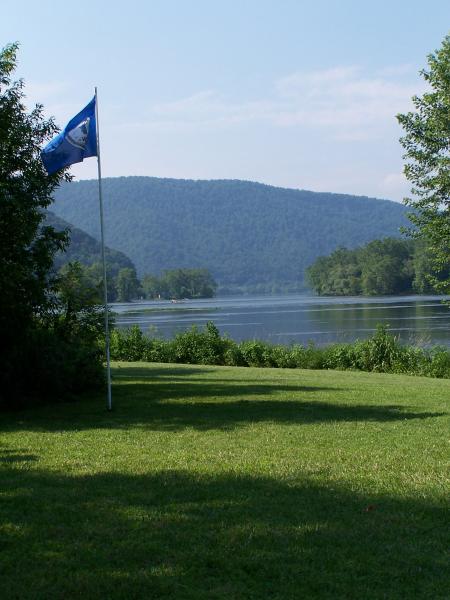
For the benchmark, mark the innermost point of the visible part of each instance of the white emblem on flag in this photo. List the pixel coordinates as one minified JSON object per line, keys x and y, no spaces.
{"x":79,"y":134}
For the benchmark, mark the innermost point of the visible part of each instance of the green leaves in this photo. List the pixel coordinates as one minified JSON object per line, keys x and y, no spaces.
{"x":26,"y":248}
{"x":180,"y":283}
{"x":49,"y":333}
{"x":127,"y":285}
{"x":427,"y":155}
{"x":382,"y":267}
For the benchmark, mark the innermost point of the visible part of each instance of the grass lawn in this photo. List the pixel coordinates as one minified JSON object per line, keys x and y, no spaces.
{"x":233,"y":483}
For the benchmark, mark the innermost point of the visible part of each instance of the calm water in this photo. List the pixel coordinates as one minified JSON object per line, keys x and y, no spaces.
{"x":420,"y":320}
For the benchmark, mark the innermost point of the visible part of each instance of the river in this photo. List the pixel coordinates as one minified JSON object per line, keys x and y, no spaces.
{"x":421,"y":320}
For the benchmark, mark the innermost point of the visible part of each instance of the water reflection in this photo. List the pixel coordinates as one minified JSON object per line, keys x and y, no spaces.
{"x":422,"y":320}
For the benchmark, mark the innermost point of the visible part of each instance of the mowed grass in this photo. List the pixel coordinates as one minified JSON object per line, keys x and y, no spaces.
{"x":236,"y":483}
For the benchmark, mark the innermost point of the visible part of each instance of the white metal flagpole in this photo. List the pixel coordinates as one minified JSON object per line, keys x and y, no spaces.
{"x":105,"y":288}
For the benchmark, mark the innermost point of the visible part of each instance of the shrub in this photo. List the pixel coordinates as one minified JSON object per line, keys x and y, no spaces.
{"x":340,"y":356}
{"x":129,"y":345}
{"x":382,"y":352}
{"x":410,"y":360}
{"x":282,"y":357}
{"x":379,"y":353}
{"x":200,"y":347}
{"x":57,"y":364}
{"x":233,"y":355}
{"x":298,"y":356}
{"x":439,"y":363}
{"x":160,"y":351}
{"x":256,"y":354}
{"x":314,"y":357}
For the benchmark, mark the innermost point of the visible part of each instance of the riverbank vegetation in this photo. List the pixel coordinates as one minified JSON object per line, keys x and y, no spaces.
{"x":179,"y":283}
{"x":223,"y":482}
{"x":124,"y":285}
{"x":381,"y":353}
{"x":382,"y":267}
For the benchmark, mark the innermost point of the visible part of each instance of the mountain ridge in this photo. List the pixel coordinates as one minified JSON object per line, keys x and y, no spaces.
{"x":83,"y":247}
{"x":244,"y":232}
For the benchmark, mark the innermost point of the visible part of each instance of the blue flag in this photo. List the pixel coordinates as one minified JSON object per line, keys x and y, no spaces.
{"x":76,"y":142}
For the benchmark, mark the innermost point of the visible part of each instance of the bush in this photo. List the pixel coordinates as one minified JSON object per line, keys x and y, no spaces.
{"x":200,"y":347}
{"x":256,"y":354}
{"x":410,"y":360}
{"x":233,"y":356}
{"x":379,"y":353}
{"x":282,"y":357}
{"x":129,"y":345}
{"x":382,"y":353}
{"x":439,"y":363}
{"x":160,"y":351}
{"x":340,"y":356}
{"x":55,"y":366}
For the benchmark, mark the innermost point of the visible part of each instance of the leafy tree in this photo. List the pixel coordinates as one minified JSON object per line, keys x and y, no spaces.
{"x":345,"y":273}
{"x":95,"y":273}
{"x":80,"y":311}
{"x":127,"y":285}
{"x":427,"y":145}
{"x":50,"y":330}
{"x":388,"y":266}
{"x":202,"y":284}
{"x":26,"y":247}
{"x":77,"y":290}
{"x":154,"y":287}
{"x":180,"y":283}
{"x":317,"y":274}
{"x":336,"y":275}
{"x":422,"y":267}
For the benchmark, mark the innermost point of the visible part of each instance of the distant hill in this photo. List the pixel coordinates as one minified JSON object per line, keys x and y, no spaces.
{"x":243,"y":232}
{"x":84,"y":248}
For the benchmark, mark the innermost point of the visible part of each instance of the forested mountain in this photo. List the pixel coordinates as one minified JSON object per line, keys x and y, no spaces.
{"x":244,"y":233}
{"x":84,"y":248}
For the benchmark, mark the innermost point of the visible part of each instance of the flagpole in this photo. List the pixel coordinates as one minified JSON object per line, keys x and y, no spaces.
{"x":105,"y":288}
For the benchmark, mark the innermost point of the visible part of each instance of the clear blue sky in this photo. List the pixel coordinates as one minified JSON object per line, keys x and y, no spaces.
{"x":294,"y":93}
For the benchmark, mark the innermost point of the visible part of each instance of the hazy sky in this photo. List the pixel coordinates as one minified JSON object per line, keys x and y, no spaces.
{"x":293,"y":93}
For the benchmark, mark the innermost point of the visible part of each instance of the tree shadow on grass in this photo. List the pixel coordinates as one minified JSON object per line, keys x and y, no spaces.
{"x":16,"y":456}
{"x":177,"y":412}
{"x":176,"y":399}
{"x":175,"y":534}
{"x":155,"y":372}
